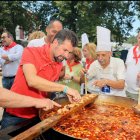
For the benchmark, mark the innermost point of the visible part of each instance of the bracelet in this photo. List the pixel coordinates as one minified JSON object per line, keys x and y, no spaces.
{"x":65,"y":90}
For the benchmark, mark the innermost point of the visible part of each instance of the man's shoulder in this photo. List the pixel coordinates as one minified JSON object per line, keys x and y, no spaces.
{"x":131,"y":49}
{"x":38,"y":39}
{"x":18,"y":45}
{"x":36,"y":42}
{"x":115,"y":59}
{"x":95,"y":64}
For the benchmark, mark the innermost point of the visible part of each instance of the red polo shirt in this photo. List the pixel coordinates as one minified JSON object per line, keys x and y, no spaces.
{"x":46,"y":68}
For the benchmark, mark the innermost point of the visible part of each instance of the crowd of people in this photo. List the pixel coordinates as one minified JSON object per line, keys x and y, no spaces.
{"x":52,"y":63}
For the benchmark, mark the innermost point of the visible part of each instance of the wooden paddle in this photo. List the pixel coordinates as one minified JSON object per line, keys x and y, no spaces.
{"x":44,"y":125}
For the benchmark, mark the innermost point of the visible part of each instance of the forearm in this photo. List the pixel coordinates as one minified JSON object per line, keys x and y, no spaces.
{"x":119,"y":84}
{"x":13,"y":100}
{"x":44,"y":85}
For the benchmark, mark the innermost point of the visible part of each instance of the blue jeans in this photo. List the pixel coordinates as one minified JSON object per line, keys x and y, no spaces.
{"x":9,"y":120}
{"x":7,"y":82}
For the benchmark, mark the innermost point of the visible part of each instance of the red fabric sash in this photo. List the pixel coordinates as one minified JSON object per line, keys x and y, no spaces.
{"x":135,"y":55}
{"x":10,"y":46}
{"x":88,"y":62}
{"x":72,"y":64}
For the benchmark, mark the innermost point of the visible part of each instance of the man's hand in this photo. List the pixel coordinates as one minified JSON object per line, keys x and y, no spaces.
{"x":5,"y":57}
{"x":82,"y":72}
{"x":73,"y":95}
{"x":100,"y":83}
{"x":82,"y":75}
{"x":7,"y":62}
{"x":45,"y":104}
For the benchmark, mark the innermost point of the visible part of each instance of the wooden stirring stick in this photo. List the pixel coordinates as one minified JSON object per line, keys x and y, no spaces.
{"x":85,"y":83}
{"x":85,"y":76}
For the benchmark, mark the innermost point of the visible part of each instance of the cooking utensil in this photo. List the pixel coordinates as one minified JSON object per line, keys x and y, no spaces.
{"x":85,"y":76}
{"x":51,"y":121}
{"x":136,"y":108}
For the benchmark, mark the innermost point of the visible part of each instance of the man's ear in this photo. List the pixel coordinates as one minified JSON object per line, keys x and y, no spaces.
{"x":47,"y":29}
{"x":55,"y":42}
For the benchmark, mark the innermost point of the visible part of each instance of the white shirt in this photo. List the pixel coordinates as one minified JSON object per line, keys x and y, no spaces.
{"x":114,"y":71}
{"x":37,"y":42}
{"x":14,"y":54}
{"x":132,"y":71}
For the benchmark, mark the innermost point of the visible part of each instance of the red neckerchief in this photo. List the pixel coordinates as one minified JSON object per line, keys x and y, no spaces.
{"x":72,"y":64}
{"x":88,"y":62}
{"x":135,"y":55}
{"x":10,"y":46}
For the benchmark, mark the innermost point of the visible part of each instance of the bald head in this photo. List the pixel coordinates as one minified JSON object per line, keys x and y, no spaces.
{"x":52,"y":29}
{"x":55,"y":23}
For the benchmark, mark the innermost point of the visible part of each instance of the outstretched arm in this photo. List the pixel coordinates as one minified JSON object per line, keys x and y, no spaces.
{"x":14,"y":100}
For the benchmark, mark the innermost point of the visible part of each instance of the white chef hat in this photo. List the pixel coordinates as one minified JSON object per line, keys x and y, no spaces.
{"x":103,"y":39}
{"x":84,"y":39}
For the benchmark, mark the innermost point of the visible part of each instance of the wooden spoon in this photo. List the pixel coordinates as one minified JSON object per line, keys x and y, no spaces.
{"x":136,"y":108}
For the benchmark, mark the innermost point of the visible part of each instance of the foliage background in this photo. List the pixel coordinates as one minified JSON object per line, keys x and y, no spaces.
{"x":79,"y":16}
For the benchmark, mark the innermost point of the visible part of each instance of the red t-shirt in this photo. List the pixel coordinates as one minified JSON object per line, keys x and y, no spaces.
{"x":46,"y":68}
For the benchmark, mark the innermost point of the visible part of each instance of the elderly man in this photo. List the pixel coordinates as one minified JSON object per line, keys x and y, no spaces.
{"x":10,"y":55}
{"x":106,"y":71}
{"x":52,"y":29}
{"x":133,"y":70}
{"x":40,"y":67}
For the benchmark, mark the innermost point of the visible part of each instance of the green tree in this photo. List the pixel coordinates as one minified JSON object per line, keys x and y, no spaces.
{"x":131,"y":40}
{"x":23,"y":13}
{"x":84,"y":16}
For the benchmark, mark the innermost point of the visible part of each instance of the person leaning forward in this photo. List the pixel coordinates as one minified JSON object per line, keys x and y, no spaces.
{"x":39,"y":68}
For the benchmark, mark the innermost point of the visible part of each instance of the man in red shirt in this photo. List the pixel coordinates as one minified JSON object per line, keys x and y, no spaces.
{"x":39,"y":68}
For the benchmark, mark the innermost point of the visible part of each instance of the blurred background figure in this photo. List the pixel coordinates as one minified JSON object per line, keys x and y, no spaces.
{"x":133,"y":70}
{"x":36,"y":35}
{"x":10,"y":55}
{"x":52,"y":29}
{"x":72,"y":70}
{"x":89,"y":53}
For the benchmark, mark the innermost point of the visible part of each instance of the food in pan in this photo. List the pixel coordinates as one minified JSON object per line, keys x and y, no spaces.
{"x":102,"y":122}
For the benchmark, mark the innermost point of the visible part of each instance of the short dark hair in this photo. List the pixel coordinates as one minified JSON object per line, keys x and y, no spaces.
{"x":66,"y":34}
{"x":9,"y":34}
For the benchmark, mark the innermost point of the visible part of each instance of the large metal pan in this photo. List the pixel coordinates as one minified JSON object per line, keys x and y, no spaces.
{"x":101,"y":99}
